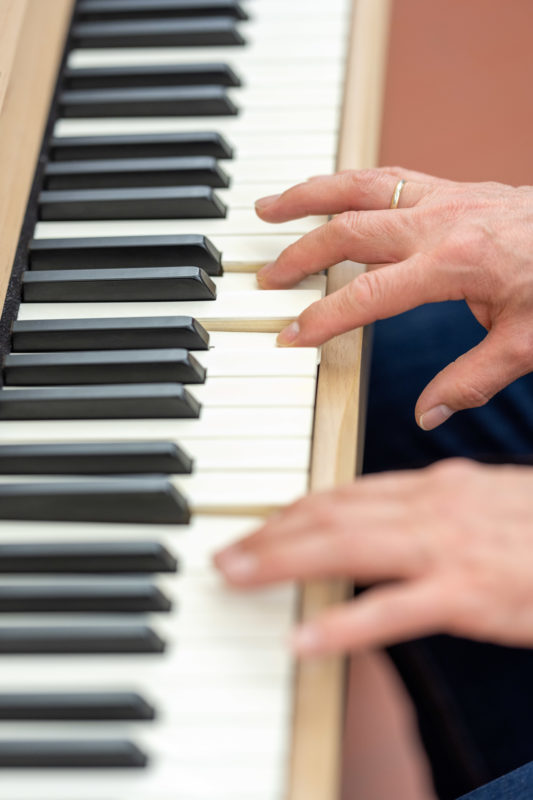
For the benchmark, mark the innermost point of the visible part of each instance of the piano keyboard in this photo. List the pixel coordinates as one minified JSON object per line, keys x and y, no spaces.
{"x":146,"y":416}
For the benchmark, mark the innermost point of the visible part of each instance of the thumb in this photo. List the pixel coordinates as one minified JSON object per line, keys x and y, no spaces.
{"x":470,"y":381}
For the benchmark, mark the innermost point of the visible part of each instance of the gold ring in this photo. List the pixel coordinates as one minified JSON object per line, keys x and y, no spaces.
{"x":396,"y":194}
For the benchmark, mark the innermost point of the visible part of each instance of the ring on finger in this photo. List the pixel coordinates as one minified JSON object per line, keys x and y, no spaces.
{"x":396,"y":193}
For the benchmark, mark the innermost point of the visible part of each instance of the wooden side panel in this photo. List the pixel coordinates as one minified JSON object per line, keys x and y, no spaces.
{"x":317,"y":730}
{"x":32,"y":38}
{"x":11,"y":16}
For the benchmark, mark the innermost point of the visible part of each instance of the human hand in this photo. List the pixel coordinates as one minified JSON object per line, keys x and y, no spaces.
{"x":450,"y":548}
{"x":446,"y":241}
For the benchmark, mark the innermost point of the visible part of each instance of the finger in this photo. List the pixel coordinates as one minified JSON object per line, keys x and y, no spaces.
{"x":369,"y":517}
{"x":471,"y":380}
{"x":364,"y":189}
{"x":373,"y":498}
{"x":371,"y":296}
{"x":366,"y":236}
{"x":365,"y":551}
{"x":377,"y":618}
{"x":414,"y":175}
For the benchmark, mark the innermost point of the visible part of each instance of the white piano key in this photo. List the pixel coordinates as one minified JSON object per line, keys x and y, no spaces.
{"x":268,"y":310}
{"x":244,"y":195}
{"x":238,"y":222}
{"x":240,"y":454}
{"x":255,"y":391}
{"x":193,"y":543}
{"x":229,"y":339}
{"x":247,"y":282}
{"x":239,"y":59}
{"x":310,"y":96}
{"x":214,"y":423}
{"x":278,"y":362}
{"x":253,"y":135}
{"x":244,"y":493}
{"x":251,"y":780}
{"x":289,"y":170}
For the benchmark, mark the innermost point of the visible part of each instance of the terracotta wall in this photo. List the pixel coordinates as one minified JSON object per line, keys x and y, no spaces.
{"x":459,"y":99}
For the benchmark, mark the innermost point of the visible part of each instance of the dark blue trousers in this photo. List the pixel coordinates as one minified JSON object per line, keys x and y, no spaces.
{"x":474,"y":701}
{"x":518,"y":785}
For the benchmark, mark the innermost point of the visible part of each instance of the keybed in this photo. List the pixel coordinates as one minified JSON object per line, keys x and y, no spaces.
{"x":206,"y":671}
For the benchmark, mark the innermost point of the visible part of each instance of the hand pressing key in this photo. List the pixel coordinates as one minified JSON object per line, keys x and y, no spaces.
{"x":449,"y":549}
{"x":445,"y":241}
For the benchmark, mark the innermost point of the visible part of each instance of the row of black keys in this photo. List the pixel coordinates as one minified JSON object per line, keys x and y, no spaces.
{"x":121,"y":268}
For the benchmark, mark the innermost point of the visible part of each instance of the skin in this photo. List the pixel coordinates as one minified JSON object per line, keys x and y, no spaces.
{"x":445,"y":241}
{"x":447,"y":548}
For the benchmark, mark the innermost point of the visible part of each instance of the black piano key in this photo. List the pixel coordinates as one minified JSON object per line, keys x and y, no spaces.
{"x":151,"y":101}
{"x":167,"y":202}
{"x":141,"y":145}
{"x":117,"y":285}
{"x":102,"y":366}
{"x":129,"y":401}
{"x":208,"y":74}
{"x":71,"y":753}
{"x":75,"y":706}
{"x":135,"y":172}
{"x":96,"y":10}
{"x":108,"y":334}
{"x":85,"y":558}
{"x":100,"y":598}
{"x":150,"y":32}
{"x":147,"y":499}
{"x":111,"y":252}
{"x":49,"y":639}
{"x":94,"y":458}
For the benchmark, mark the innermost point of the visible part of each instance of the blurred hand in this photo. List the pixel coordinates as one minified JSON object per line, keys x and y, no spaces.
{"x":450,"y":549}
{"x":446,"y":241}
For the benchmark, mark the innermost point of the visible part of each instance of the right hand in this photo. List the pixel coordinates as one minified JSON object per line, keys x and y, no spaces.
{"x":446,"y":241}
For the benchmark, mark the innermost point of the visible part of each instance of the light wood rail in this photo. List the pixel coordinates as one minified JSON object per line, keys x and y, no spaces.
{"x":32,"y":38}
{"x":320,"y":683}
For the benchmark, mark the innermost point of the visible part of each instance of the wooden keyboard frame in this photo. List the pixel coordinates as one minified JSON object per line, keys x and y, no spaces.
{"x":32,"y":39}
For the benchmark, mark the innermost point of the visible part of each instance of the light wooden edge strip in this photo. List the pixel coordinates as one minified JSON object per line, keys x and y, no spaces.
{"x":34,"y":43}
{"x":319,"y":689}
{"x":11,"y":15}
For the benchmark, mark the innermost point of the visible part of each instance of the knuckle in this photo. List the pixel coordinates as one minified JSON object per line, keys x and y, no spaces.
{"x":520,"y":350}
{"x":329,"y":515}
{"x":346,"y":224}
{"x":474,"y":244}
{"x":365,"y":291}
{"x":472,"y":395}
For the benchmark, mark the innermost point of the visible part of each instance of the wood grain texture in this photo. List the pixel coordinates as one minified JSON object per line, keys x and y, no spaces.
{"x":319,"y":702}
{"x":35,"y":40}
{"x":11,"y":16}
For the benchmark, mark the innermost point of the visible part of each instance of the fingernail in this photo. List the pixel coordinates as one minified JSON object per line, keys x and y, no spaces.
{"x":239,"y":566}
{"x":306,"y":640}
{"x":265,"y":202}
{"x":434,"y":417}
{"x":264,"y":272}
{"x":289,"y":334}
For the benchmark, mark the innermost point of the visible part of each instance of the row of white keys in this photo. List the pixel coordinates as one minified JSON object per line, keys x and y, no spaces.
{"x":221,"y":689}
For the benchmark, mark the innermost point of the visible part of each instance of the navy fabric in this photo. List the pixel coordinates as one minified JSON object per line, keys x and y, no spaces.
{"x":474,"y":701}
{"x":518,"y":785}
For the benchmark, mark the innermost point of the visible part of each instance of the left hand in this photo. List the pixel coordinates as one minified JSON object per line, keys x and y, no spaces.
{"x":450,"y":548}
